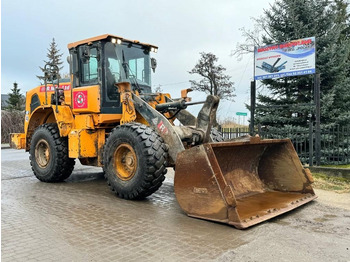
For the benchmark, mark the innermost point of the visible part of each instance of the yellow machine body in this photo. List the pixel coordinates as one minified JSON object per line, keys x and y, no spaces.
{"x":18,"y":140}
{"x":85,"y":127}
{"x":240,"y":183}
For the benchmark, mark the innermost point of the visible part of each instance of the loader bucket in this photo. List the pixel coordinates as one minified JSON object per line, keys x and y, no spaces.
{"x":241,"y":183}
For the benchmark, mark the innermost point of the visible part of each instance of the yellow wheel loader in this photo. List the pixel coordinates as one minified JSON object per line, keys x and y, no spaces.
{"x":106,"y":115}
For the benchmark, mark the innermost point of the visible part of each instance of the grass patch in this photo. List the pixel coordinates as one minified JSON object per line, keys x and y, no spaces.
{"x":337,"y":166}
{"x":337,"y":184}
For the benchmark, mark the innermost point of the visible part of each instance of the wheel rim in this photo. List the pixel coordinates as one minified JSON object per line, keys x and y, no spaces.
{"x":42,"y":153}
{"x":125,"y":161}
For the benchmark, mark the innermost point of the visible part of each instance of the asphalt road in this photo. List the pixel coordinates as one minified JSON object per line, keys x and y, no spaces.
{"x":81,"y":220}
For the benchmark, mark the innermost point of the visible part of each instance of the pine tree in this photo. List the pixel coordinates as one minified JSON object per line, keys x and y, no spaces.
{"x":288,"y":20}
{"x":15,"y":100}
{"x":54,"y":57}
{"x":214,"y":81}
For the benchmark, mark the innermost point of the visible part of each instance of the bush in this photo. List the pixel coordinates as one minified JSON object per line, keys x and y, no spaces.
{"x":11,"y":122}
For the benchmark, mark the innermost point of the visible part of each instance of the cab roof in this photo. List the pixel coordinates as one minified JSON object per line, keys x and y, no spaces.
{"x":105,"y":36}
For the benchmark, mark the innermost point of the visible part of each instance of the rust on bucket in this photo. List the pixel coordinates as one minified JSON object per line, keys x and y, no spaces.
{"x":241,"y":183}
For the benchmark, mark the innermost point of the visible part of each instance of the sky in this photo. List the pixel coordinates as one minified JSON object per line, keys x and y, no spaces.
{"x":181,"y":29}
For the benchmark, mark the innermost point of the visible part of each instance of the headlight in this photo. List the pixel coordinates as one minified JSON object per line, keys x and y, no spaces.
{"x":116,"y":41}
{"x":154,"y":49}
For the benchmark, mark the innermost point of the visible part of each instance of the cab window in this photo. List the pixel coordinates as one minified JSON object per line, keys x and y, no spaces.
{"x":90,"y":68}
{"x":137,"y":67}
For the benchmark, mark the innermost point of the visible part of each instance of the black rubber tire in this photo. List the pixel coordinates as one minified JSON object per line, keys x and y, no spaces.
{"x":59,"y":166}
{"x":151,"y":154}
{"x":216,"y":136}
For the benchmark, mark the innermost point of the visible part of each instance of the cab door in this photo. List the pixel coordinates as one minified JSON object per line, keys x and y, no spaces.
{"x":112,"y":73}
{"x":86,"y":92}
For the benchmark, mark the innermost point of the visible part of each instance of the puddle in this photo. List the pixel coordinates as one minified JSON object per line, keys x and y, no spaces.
{"x":321,"y":219}
{"x":325,"y":218}
{"x":330,"y":216}
{"x":281,"y":222}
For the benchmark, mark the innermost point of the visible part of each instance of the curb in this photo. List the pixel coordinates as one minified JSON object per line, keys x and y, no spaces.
{"x":331,"y":171}
{"x":5,"y":146}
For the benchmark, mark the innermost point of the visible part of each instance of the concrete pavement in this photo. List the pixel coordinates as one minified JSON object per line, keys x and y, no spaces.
{"x":81,"y":220}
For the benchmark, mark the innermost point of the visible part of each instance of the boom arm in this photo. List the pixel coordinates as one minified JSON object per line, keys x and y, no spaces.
{"x":160,"y":123}
{"x":175,"y":135}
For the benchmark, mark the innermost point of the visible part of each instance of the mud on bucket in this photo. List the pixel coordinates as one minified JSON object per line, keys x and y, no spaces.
{"x":241,"y":183}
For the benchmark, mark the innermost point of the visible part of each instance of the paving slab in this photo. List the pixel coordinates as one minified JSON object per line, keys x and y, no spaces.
{"x":81,"y":220}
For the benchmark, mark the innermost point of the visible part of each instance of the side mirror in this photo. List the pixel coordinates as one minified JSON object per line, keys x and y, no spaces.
{"x":153,"y":64}
{"x":72,"y":60}
{"x":86,"y":53}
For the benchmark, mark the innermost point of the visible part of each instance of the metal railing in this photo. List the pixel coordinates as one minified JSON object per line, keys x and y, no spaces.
{"x":335,"y":141}
{"x":335,"y":145}
{"x":231,"y":133}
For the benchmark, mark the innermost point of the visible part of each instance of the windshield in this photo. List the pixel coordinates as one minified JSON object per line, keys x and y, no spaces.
{"x":128,"y":62}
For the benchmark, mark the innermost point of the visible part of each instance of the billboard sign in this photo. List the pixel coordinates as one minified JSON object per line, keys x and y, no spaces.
{"x":293,"y":58}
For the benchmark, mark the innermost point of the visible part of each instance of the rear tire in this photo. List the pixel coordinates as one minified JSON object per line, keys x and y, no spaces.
{"x":134,"y":161}
{"x":48,"y":154}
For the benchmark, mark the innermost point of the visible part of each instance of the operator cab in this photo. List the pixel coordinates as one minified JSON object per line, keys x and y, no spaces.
{"x":107,"y":60}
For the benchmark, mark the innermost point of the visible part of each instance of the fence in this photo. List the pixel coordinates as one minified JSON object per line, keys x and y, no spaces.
{"x":335,"y":145}
{"x":335,"y":142}
{"x":299,"y":136}
{"x":231,"y":133}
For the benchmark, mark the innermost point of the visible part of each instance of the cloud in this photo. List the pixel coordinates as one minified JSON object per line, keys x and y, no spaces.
{"x":180,"y":28}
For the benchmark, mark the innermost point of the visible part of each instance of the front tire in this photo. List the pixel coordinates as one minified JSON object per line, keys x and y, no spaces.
{"x":134,"y":161}
{"x":48,"y":154}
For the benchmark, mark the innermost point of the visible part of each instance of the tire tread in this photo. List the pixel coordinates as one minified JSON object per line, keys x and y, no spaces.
{"x":63,"y":166}
{"x":156,"y":154}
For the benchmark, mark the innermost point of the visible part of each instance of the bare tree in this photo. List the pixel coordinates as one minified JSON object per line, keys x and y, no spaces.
{"x":214,"y":81}
{"x":11,"y":122}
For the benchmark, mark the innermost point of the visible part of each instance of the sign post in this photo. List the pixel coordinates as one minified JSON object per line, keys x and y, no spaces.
{"x":317,"y":99}
{"x":239,"y":114}
{"x":293,"y":58}
{"x":252,"y":107}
